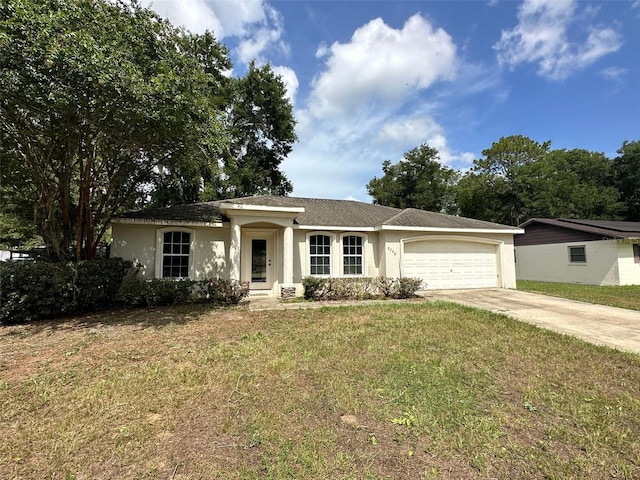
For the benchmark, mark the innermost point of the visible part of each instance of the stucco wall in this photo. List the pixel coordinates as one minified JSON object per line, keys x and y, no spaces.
{"x":550,"y":263}
{"x":628,"y":270}
{"x":138,"y":243}
{"x":392,"y":252}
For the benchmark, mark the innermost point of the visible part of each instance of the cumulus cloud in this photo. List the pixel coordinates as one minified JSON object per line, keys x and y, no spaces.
{"x":543,"y":37}
{"x":290,"y":79}
{"x":382,"y":64}
{"x":256,"y":25}
{"x":367,"y":105}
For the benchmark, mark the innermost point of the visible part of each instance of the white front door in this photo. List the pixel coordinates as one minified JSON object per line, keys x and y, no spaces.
{"x":258,"y":260}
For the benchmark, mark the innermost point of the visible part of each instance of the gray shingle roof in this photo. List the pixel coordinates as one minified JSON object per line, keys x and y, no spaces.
{"x":606,"y":228}
{"x":321,"y":212}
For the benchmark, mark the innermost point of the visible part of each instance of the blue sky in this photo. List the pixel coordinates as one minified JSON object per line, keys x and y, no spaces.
{"x":372,"y":79}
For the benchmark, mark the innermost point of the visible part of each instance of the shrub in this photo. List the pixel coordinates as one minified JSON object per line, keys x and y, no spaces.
{"x":138,"y":292}
{"x":359,"y":288}
{"x":37,"y":289}
{"x":223,"y":292}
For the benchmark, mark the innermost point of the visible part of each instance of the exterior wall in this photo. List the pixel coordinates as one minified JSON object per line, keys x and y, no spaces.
{"x":628,"y":269}
{"x":550,"y":263}
{"x":138,"y":243}
{"x":301,"y":260}
{"x":392,"y":258}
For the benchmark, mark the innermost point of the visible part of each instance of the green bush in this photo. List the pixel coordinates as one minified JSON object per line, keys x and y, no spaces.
{"x":222,"y":292}
{"x":32,"y":290}
{"x":138,"y":292}
{"x":359,"y":288}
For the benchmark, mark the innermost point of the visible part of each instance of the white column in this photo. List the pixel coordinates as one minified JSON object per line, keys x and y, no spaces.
{"x":234,"y":250}
{"x":287,"y":257}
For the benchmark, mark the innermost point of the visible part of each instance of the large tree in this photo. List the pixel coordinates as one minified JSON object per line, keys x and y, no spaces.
{"x":419,"y":180}
{"x":492,"y":190}
{"x":570,"y":184}
{"x":627,"y":179}
{"x":98,"y":97}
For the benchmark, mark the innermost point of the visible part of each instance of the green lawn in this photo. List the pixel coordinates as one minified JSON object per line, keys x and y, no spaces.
{"x":624,"y":297}
{"x":411,"y":391}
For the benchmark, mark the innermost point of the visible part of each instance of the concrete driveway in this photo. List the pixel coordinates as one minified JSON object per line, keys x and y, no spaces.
{"x":599,"y":324}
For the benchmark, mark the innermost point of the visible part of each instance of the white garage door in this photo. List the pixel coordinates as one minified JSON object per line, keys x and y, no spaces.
{"x":450,"y":264}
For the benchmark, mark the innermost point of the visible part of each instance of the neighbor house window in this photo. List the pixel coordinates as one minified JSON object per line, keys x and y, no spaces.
{"x":636,"y":253}
{"x":577,"y":254}
{"x":176,"y":248}
{"x":320,"y":255}
{"x":352,"y":255}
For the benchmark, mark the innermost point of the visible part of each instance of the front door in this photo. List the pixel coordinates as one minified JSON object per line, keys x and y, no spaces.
{"x":258,"y":259}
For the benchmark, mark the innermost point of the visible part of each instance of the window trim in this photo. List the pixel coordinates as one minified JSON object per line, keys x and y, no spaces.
{"x":332,"y":247}
{"x":160,"y":251}
{"x":362,"y":256}
{"x":584,"y":253}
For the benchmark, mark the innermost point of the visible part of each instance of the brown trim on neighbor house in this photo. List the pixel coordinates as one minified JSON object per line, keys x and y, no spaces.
{"x":541,"y":234}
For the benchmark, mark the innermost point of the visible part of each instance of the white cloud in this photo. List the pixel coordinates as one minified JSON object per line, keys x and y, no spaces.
{"x":382,"y":64}
{"x":290,"y":80}
{"x":368,"y":105}
{"x":542,"y":36}
{"x":614,"y":73}
{"x":256,"y":25}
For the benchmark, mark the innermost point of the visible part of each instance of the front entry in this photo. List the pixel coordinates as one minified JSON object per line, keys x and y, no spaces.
{"x":258,"y":260}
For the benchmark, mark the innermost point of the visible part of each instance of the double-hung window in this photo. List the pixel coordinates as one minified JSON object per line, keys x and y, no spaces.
{"x":176,"y":247}
{"x":352,"y":255}
{"x":320,"y":255}
{"x":577,"y":254}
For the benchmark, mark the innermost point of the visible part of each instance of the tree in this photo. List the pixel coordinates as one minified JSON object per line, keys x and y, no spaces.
{"x":99,"y":99}
{"x":492,"y":191}
{"x":627,"y":179}
{"x":419,"y":180}
{"x":570,"y":184}
{"x":261,"y":125}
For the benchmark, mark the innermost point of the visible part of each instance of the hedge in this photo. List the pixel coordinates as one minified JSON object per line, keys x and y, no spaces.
{"x":33,"y":290}
{"x":359,"y":288}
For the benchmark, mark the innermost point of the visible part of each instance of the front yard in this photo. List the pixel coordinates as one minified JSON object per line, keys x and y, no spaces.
{"x":627,"y":296}
{"x":413,"y":391}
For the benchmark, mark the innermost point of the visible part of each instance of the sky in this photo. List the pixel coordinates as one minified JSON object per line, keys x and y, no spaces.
{"x":372,"y":79}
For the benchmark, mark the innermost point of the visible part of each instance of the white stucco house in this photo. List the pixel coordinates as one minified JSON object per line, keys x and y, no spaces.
{"x":274,"y":242}
{"x":591,"y":252}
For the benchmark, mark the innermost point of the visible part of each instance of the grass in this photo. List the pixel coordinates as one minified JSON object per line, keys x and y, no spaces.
{"x":627,"y":296}
{"x":414,"y":391}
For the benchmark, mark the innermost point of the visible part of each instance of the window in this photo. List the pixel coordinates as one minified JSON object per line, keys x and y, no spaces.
{"x":577,"y":254}
{"x":351,"y":255}
{"x":320,"y":255}
{"x":636,"y":253}
{"x":176,"y":247}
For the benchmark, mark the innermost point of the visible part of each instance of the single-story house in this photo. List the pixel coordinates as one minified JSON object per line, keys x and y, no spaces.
{"x":592,"y":252}
{"x":274,"y":242}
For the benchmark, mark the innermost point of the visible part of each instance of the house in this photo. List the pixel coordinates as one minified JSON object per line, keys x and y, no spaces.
{"x":274,"y":242}
{"x":592,"y":252}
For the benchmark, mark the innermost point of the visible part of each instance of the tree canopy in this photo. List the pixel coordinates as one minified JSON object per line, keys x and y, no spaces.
{"x":517,"y":179}
{"x":419,"y":180}
{"x":106,"y":106}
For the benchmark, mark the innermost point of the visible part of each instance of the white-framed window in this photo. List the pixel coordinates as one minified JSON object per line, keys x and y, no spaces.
{"x":352,"y":255}
{"x":174,"y":253}
{"x":577,"y":254}
{"x":320,"y":255}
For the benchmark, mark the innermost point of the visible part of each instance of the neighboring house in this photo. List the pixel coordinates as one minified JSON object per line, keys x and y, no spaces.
{"x":274,"y":242}
{"x":593,"y":252}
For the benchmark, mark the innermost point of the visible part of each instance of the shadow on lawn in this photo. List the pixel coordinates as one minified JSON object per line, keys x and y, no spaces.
{"x":154,"y":317}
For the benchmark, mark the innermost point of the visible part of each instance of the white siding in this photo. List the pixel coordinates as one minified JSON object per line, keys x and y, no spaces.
{"x":629,"y":271}
{"x":550,"y":263}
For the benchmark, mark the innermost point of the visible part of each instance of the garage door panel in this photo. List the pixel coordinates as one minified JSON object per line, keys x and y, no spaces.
{"x":451,"y":264}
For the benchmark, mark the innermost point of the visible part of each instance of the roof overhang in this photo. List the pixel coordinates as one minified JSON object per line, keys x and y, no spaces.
{"x":176,"y":223}
{"x":510,"y":231}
